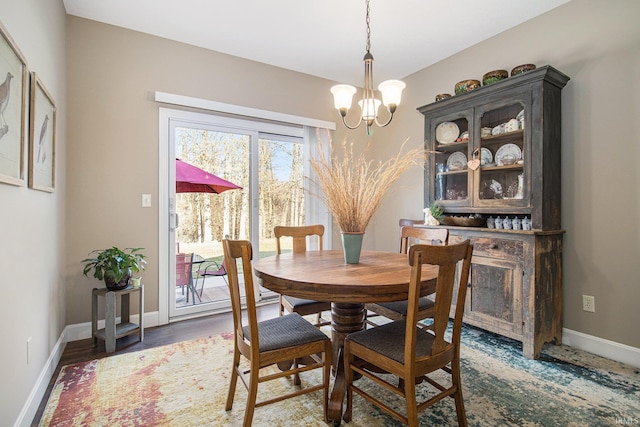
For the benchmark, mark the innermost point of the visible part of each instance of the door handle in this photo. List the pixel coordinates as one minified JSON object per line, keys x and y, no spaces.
{"x":173,"y":221}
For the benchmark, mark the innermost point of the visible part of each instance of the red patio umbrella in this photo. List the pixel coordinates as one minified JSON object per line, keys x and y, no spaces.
{"x":191,"y":179}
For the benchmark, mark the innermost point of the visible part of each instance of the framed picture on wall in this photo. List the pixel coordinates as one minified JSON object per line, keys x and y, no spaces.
{"x":42,"y":137}
{"x":14,"y":79}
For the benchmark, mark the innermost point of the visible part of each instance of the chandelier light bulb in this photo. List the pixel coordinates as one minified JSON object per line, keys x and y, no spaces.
{"x":391,"y":92}
{"x":369,"y":109}
{"x":343,"y":97}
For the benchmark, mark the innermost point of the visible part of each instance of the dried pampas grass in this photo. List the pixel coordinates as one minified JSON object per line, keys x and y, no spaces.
{"x":353,"y":187}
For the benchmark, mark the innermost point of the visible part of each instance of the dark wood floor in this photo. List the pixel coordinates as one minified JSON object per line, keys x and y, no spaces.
{"x":83,"y":350}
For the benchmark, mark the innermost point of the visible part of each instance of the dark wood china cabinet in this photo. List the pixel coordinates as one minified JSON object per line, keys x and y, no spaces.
{"x":495,"y":154}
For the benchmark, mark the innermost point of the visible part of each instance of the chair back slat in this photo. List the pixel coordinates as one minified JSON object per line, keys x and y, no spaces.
{"x":242,"y":250}
{"x":299,"y":236}
{"x":428,"y":236}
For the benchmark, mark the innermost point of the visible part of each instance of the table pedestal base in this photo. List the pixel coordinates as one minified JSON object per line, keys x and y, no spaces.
{"x":345,"y":319}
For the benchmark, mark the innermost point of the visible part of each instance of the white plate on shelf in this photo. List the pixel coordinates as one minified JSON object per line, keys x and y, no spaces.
{"x":457,"y":161}
{"x":508,"y":150}
{"x":447,"y":132}
{"x":485,"y":156}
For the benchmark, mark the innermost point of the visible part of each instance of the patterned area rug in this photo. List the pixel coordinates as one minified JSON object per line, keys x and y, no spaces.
{"x":186,"y":384}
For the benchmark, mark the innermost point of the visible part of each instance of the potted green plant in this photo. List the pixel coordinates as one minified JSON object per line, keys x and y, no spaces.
{"x":115,"y":266}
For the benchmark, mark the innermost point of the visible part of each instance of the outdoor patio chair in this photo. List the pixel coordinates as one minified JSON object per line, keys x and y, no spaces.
{"x":211,"y":269}
{"x":184,"y":275}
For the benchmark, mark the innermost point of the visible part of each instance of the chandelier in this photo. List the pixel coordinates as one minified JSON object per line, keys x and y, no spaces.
{"x":391,"y":91}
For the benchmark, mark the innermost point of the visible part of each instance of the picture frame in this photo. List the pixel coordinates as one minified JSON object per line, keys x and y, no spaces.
{"x":14,"y":85}
{"x":42,"y":137}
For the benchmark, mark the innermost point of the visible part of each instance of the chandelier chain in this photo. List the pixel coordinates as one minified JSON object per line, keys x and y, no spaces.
{"x":368,"y":29}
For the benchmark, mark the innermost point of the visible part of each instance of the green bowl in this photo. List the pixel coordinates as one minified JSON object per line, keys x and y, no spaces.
{"x":466,"y":85}
{"x":494,"y":76}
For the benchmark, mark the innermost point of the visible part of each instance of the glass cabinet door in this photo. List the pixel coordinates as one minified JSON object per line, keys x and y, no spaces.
{"x":502,"y":150}
{"x":450,"y":149}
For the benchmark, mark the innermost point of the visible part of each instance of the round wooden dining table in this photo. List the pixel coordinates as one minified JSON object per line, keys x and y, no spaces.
{"x":324,"y":276}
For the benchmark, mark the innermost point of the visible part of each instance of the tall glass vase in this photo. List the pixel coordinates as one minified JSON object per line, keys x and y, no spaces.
{"x":352,"y":246}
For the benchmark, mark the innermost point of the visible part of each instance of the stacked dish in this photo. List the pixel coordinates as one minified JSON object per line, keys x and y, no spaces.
{"x":508,"y":154}
{"x":485,"y":157}
{"x":457,"y":161}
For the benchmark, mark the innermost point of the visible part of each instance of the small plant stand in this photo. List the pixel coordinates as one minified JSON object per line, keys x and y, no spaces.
{"x":112,"y":330}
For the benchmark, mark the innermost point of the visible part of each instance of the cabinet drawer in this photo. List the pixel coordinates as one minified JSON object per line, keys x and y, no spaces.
{"x":494,"y":247}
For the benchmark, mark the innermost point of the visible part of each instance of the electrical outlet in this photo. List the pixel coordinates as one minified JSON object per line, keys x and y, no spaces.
{"x":28,"y":350}
{"x":589,"y":303}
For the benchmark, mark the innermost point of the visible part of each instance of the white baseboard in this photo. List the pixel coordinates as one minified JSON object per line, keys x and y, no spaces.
{"x":601,"y":347}
{"x":39,"y":389}
{"x":75,"y":332}
{"x":82,"y":331}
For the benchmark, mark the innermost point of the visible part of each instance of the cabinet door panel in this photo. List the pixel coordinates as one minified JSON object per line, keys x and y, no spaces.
{"x":501,"y":183}
{"x":447,"y":178}
{"x":492,"y":291}
{"x":495,"y":294}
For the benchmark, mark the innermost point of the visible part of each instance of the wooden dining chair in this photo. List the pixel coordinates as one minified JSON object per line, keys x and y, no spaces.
{"x":409,"y":352}
{"x":405,"y":222}
{"x":299,"y":236}
{"x":270,"y":341}
{"x":397,"y":310}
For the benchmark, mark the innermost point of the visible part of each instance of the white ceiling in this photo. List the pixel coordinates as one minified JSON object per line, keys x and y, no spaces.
{"x":324,"y":38}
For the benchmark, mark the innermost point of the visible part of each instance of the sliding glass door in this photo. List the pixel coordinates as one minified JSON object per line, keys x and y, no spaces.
{"x":204,"y":218}
{"x":270,"y":168}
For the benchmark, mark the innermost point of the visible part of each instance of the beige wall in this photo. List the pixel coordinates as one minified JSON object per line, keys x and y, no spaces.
{"x":32,"y":226}
{"x":597,"y":44}
{"x":113,"y":133}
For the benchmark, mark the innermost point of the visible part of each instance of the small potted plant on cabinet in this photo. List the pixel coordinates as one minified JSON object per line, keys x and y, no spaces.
{"x":115,"y":266}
